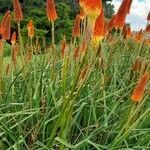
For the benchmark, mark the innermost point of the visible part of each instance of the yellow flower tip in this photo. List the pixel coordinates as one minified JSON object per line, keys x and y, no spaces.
{"x":96,"y":41}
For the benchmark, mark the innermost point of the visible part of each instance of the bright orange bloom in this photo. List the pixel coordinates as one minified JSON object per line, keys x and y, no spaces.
{"x":148,"y":17}
{"x":92,"y":8}
{"x":138,"y":92}
{"x":99,"y":27}
{"x":13,"y":38}
{"x":76,"y":28}
{"x":30,"y":28}
{"x":17,"y":10}
{"x":111,"y":23}
{"x":5,"y":28}
{"x":82,"y":14}
{"x":51,"y":11}
{"x":4,"y":20}
{"x":129,"y":6}
{"x":122,"y":13}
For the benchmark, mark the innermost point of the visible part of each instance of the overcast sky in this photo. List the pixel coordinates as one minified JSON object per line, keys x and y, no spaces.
{"x":138,"y":14}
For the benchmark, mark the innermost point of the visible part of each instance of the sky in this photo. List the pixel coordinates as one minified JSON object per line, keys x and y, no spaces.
{"x":138,"y":13}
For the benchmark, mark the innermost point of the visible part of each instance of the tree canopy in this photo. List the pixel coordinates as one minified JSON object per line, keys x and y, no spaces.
{"x":35,"y":10}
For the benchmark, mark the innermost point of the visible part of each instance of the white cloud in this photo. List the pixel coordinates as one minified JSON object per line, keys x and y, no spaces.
{"x":138,"y":13}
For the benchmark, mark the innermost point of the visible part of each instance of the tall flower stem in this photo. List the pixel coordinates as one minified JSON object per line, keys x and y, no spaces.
{"x":20,"y":44}
{"x":53,"y":33}
{"x":1,"y":67}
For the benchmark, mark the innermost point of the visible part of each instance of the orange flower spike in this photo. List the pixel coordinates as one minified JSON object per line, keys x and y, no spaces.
{"x":13,"y":38}
{"x":30,"y":28}
{"x":99,"y":25}
{"x":92,"y":8}
{"x":129,"y":6}
{"x":51,"y":11}
{"x":148,"y":17}
{"x":5,"y":26}
{"x":4,"y":19}
{"x":99,"y":28}
{"x":76,"y":27}
{"x":6,"y":29}
{"x":138,"y":92}
{"x":111,"y":23}
{"x":121,"y":14}
{"x":17,"y":10}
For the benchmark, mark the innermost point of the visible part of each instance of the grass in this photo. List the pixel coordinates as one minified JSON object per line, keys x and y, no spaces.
{"x":82,"y":103}
{"x":73,"y":95}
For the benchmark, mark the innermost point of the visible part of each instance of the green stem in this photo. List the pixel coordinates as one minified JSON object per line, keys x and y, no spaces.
{"x":53,"y":34}
{"x":21,"y":44}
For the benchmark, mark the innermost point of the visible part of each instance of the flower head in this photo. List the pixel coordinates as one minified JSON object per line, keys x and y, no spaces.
{"x":51,"y":11}
{"x":99,"y":27}
{"x":30,"y":28}
{"x":13,"y":38}
{"x":123,"y":10}
{"x":92,"y":8}
{"x":138,"y":92}
{"x":17,"y":10}
{"x":5,"y":26}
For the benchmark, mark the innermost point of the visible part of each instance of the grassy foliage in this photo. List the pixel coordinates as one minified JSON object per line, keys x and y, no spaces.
{"x":74,"y":95}
{"x":81,"y":103}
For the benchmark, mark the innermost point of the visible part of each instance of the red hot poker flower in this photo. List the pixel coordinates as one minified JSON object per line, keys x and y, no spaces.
{"x":99,"y":27}
{"x":92,"y":8}
{"x":30,"y":28}
{"x":5,"y":26}
{"x":122,"y":13}
{"x":17,"y":10}
{"x":51,"y":11}
{"x":129,"y":6}
{"x":138,"y":92}
{"x":13,"y":38}
{"x":111,"y":23}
